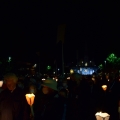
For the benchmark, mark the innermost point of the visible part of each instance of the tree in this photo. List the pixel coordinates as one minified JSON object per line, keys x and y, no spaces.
{"x":112,"y":58}
{"x":100,"y":66}
{"x":113,"y":61}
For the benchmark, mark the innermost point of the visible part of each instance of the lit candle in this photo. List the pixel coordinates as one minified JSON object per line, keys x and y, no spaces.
{"x":102,"y":116}
{"x":104,"y":87}
{"x":30,"y":98}
{"x":1,"y":83}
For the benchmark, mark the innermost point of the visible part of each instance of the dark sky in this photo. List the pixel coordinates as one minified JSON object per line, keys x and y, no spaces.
{"x":28,"y":27}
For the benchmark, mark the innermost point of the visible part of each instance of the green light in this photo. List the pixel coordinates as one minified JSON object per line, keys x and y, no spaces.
{"x":112,"y":58}
{"x":48,"y":67}
{"x":101,"y":66}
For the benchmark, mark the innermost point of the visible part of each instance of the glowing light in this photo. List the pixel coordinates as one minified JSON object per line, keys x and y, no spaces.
{"x":1,"y":83}
{"x":104,"y":87}
{"x":43,"y":79}
{"x":30,"y":98}
{"x":35,"y":65}
{"x":86,"y":64}
{"x":9,"y":59}
{"x":48,"y":67}
{"x":68,"y":78}
{"x":101,"y":116}
{"x":71,"y":71}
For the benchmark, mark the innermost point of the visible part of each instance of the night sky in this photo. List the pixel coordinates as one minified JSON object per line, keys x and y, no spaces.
{"x":28,"y":27}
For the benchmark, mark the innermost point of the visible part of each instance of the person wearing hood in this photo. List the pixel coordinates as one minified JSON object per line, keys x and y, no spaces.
{"x":47,"y":105}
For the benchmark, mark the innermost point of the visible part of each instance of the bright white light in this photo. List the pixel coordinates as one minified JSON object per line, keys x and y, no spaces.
{"x":35,"y":65}
{"x":86,"y":64}
{"x":58,"y":69}
{"x":64,"y":73}
{"x":53,"y":72}
{"x":9,"y":58}
{"x":43,"y":79}
{"x":56,"y":79}
{"x":68,"y":78}
{"x":53,"y":78}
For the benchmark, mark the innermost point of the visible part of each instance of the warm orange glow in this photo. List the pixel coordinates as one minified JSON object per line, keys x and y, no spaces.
{"x":30,"y":98}
{"x":1,"y":83}
{"x":104,"y":87}
{"x":100,"y":116}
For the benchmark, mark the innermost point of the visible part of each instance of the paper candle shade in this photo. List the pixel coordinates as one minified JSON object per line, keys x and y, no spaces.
{"x":102,"y":116}
{"x":104,"y":87}
{"x":30,"y":98}
{"x":1,"y":83}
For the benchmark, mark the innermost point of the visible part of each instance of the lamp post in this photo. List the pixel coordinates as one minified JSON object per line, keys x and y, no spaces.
{"x":30,"y":100}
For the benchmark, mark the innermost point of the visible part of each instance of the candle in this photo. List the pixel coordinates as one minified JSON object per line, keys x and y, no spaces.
{"x":30,"y":98}
{"x":102,"y":116}
{"x":104,"y":87}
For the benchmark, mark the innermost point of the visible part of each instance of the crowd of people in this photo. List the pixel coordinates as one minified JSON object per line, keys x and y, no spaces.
{"x":78,"y":98}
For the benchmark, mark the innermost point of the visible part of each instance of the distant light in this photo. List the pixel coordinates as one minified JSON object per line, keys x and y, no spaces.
{"x":82,"y":61}
{"x":35,"y":65}
{"x":58,"y":69}
{"x":108,"y":80}
{"x":64,"y":73}
{"x":43,"y":79}
{"x":90,"y":61}
{"x":85,"y":70}
{"x":86,"y":64}
{"x":53,"y":72}
{"x":53,"y":78}
{"x":80,"y":69}
{"x":71,"y":71}
{"x":68,"y":78}
{"x":48,"y":67}
{"x":56,"y":79}
{"x":9,"y":58}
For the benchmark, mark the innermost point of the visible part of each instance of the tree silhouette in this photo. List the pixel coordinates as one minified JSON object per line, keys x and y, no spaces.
{"x":113,"y":60}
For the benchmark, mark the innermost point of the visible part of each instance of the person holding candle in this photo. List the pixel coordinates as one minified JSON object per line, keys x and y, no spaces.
{"x":13,"y":105}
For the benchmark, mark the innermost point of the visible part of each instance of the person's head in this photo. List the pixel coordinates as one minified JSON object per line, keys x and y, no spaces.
{"x":32,"y":89}
{"x":49,"y":86}
{"x":10,"y":80}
